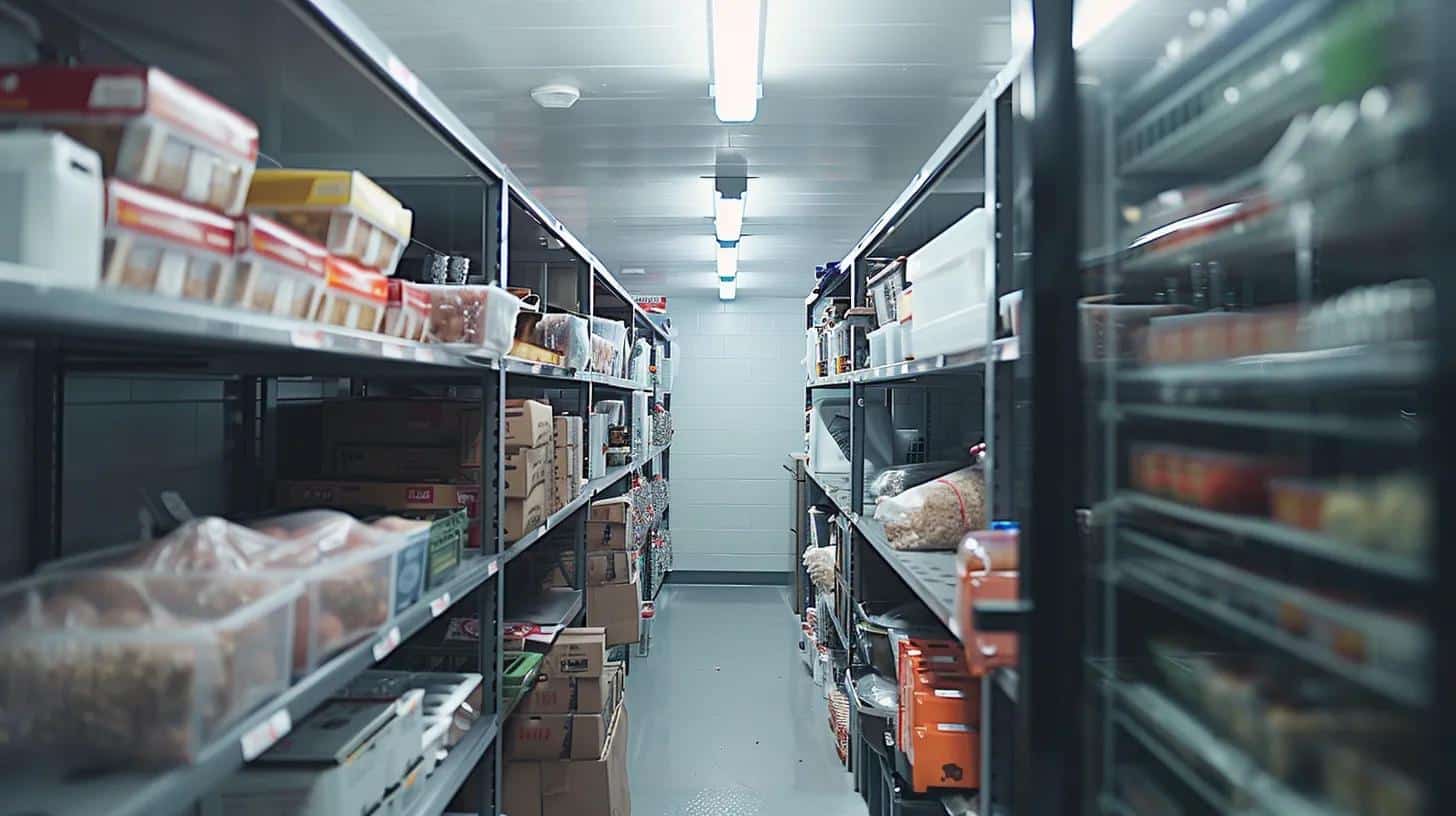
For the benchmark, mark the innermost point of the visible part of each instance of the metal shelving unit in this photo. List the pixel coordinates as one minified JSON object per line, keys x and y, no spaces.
{"x":289,"y":65}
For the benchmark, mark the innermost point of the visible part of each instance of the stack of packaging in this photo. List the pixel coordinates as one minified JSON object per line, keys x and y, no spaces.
{"x":528,"y":449}
{"x":613,"y":599}
{"x":566,"y":464}
{"x":939,"y":715}
{"x":566,"y":745}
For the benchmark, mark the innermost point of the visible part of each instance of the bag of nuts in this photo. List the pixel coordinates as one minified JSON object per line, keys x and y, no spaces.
{"x":936,"y":514}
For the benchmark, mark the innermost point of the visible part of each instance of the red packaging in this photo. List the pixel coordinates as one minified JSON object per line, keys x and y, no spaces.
{"x":278,"y":271}
{"x":159,"y":244}
{"x":355,"y":296}
{"x":407,"y":313}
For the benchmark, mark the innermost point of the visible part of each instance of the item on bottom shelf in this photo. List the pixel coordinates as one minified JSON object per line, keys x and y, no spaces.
{"x":555,"y":736}
{"x":585,"y":787}
{"x":109,"y":668}
{"x":839,"y":722}
{"x":148,"y":127}
{"x":618,"y":609}
{"x":163,"y":245}
{"x":355,"y":296}
{"x":559,"y":694}
{"x":349,"y":214}
{"x":602,"y":567}
{"x":940,"y":712}
{"x":934,"y":515}
{"x":407,"y":312}
{"x":56,"y":207}
{"x":482,"y":317}
{"x":277,"y":271}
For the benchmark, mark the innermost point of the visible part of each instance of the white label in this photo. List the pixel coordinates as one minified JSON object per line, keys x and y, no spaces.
{"x":392,"y":351}
{"x":955,"y":728}
{"x":117,"y":92}
{"x":387,"y":643}
{"x":439,"y":605}
{"x":954,"y":694}
{"x":307,"y":339}
{"x":492,"y":568}
{"x":171,"y":273}
{"x":262,"y":736}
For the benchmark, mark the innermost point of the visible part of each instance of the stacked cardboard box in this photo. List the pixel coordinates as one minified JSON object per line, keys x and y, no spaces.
{"x":566,"y":745}
{"x":615,"y":601}
{"x":527,"y":440}
{"x":566,"y":466}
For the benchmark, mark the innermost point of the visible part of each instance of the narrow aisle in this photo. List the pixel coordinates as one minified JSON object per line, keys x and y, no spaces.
{"x":725,"y":720}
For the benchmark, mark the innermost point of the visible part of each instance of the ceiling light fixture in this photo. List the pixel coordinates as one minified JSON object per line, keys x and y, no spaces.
{"x":737,"y":35}
{"x":1093,"y":18}
{"x":728,"y":217}
{"x":727,"y":261}
{"x":556,"y":96}
{"x":727,"y":289}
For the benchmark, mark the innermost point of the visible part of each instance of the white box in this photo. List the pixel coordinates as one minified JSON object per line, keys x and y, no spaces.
{"x":641,"y":424}
{"x":952,"y":298}
{"x":596,"y":448}
{"x":52,"y":206}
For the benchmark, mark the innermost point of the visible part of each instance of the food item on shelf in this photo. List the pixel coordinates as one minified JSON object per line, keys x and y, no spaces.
{"x":1298,"y":502}
{"x":355,"y":297}
{"x":893,"y":481}
{"x":934,"y":515}
{"x":1212,"y":336}
{"x":609,"y":341}
{"x":159,"y":244}
{"x":482,"y":316}
{"x":531,"y":352}
{"x":1108,"y":327}
{"x":407,"y":312}
{"x":991,"y":550}
{"x":345,"y":211}
{"x":567,"y":334}
{"x":1403,"y":515}
{"x":1214,"y":480}
{"x":149,"y":127}
{"x":114,"y":668}
{"x":278,"y":271}
{"x":1391,"y":513}
{"x":1384,"y":313}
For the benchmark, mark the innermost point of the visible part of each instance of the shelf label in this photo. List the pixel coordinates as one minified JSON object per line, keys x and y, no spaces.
{"x":387,"y":643}
{"x":403,"y":75}
{"x":954,"y":694}
{"x":262,"y":736}
{"x":392,"y":351}
{"x":439,"y":605}
{"x":307,"y":338}
{"x":492,"y":568}
{"x":955,"y":728}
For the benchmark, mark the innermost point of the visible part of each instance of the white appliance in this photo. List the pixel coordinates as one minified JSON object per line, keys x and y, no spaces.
{"x":952,"y":299}
{"x":52,"y":206}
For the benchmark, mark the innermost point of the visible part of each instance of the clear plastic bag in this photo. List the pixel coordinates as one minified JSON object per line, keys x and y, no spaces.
{"x":936,"y":514}
{"x":893,"y":481}
{"x":567,"y":334}
{"x":820,"y":562}
{"x":609,"y":340}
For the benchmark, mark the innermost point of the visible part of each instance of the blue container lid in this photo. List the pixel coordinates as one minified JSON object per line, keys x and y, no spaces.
{"x":1006,"y":525}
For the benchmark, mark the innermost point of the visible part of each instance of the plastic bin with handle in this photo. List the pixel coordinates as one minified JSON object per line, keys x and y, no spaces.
{"x":952,"y":300}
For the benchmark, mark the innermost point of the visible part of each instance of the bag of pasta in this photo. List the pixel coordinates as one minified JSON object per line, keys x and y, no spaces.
{"x":936,"y":514}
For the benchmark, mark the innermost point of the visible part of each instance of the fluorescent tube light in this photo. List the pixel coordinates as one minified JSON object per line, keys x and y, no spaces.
{"x":1092,"y":17}
{"x":727,"y":289}
{"x":737,"y":25}
{"x":728,"y":217}
{"x":727,"y":261}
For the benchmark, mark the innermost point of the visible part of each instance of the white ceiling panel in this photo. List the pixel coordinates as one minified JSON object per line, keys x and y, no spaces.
{"x":856,"y":95}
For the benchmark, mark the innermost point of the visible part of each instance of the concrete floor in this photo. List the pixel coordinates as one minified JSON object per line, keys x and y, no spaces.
{"x":725,"y":720}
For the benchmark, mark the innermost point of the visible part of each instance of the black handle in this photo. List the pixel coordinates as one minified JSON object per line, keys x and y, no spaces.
{"x":1000,"y":616}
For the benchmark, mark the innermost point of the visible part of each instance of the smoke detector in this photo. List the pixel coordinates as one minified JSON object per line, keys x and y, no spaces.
{"x":556,"y":96}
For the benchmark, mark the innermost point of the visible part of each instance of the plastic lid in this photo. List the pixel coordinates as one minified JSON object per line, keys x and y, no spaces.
{"x":1005,"y":525}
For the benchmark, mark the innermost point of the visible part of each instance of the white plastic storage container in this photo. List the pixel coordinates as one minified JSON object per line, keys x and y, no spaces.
{"x":159,"y":244}
{"x":355,"y":296}
{"x":55,"y":207}
{"x":952,"y":301}
{"x":278,"y":271}
{"x":480,"y":316}
{"x":120,"y":668}
{"x":149,"y":127}
{"x":407,"y":312}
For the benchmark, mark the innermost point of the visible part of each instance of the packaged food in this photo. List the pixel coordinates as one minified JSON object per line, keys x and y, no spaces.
{"x":149,"y":127}
{"x":609,"y":338}
{"x":355,"y":297}
{"x":567,"y":334}
{"x":1227,"y":482}
{"x":159,"y":244}
{"x":934,"y":515}
{"x":407,"y":311}
{"x":1109,"y":327}
{"x":278,"y":271}
{"x":350,"y":215}
{"x":893,"y":481}
{"x":483,"y":316}
{"x":113,"y":668}
{"x":1298,"y":502}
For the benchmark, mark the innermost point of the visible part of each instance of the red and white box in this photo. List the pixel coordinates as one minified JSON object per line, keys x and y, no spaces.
{"x":149,"y":127}
{"x":159,"y":244}
{"x":407,"y":311}
{"x":278,"y":271}
{"x":355,"y":296}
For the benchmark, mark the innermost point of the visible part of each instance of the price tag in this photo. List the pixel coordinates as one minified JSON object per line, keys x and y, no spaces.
{"x":306,"y":338}
{"x":262,"y":736}
{"x":387,"y":643}
{"x":439,"y":605}
{"x":493,"y":568}
{"x":392,"y":351}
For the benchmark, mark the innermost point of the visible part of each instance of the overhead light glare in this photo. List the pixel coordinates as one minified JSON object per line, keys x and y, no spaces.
{"x":728,"y":217}
{"x":737,"y":29}
{"x":727,"y":289}
{"x":727,"y":261}
{"x":1094,"y":17}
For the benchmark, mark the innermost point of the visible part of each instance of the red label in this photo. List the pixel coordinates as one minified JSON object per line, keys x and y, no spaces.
{"x":418,"y":495}
{"x":137,"y":209}
{"x":652,"y":304}
{"x":347,"y":276}
{"x":469,"y":498}
{"x":282,"y":245}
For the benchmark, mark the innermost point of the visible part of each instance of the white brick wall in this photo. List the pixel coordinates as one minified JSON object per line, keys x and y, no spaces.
{"x":738,"y":409}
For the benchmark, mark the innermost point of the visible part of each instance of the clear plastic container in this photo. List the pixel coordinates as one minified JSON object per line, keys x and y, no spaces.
{"x":639,"y":368}
{"x":109,"y":668}
{"x":159,"y":244}
{"x":278,"y":271}
{"x":407,"y":311}
{"x":948,"y":274}
{"x":879,"y":346}
{"x":568,"y":334}
{"x":149,"y":127}
{"x":345,"y":211}
{"x":355,"y":296}
{"x":481,"y":316}
{"x":609,"y":357}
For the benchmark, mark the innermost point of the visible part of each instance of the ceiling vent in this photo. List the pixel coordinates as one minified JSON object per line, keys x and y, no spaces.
{"x":556,"y":96}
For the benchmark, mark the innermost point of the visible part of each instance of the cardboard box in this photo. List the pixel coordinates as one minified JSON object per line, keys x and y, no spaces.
{"x":608,"y":535}
{"x":569,"y":431}
{"x":393,"y":496}
{"x":561,"y":694}
{"x":617,"y":509}
{"x":395,"y":462}
{"x":579,"y":651}
{"x":616,"y":608}
{"x":602,"y":567}
{"x":528,"y":424}
{"x":556,"y":736}
{"x":526,"y":514}
{"x":553,"y":499}
{"x":525,"y":469}
{"x":616,"y":684}
{"x":579,"y":788}
{"x":410,"y":422}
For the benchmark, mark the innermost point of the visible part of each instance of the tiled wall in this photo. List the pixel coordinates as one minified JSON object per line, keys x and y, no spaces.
{"x":738,"y":410}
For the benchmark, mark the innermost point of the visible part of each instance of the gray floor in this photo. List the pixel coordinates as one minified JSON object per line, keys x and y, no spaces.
{"x":725,"y":720}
